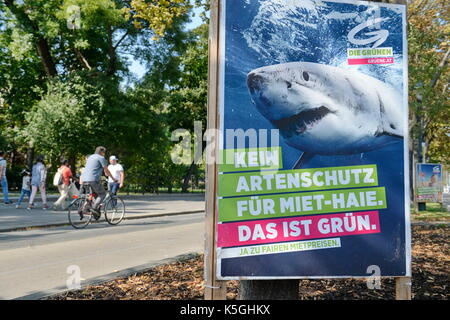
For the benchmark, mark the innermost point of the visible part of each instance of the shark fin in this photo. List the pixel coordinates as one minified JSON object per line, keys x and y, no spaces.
{"x":390,"y":126}
{"x":390,"y":133}
{"x":304,"y":158}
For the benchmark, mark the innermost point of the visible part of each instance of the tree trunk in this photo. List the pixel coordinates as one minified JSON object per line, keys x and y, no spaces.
{"x":411,"y":175}
{"x":73,"y":164}
{"x":187,"y":177}
{"x":42,"y":45}
{"x":269,"y":290}
{"x":46,"y":57}
{"x":111,"y":54}
{"x":30,"y":158}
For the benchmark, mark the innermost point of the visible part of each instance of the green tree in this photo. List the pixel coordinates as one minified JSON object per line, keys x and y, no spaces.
{"x":187,"y":102}
{"x":67,"y":119}
{"x":158,"y":15}
{"x":175,"y":88}
{"x":429,"y":52}
{"x":52,"y":73}
{"x":62,"y":82}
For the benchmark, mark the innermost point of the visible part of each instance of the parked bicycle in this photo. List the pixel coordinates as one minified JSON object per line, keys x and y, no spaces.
{"x":80,"y":209}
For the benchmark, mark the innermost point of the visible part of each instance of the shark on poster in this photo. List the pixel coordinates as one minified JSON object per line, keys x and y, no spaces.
{"x":325,"y":194}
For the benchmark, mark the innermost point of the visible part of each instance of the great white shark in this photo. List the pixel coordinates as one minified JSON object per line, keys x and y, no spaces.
{"x":326,"y":110}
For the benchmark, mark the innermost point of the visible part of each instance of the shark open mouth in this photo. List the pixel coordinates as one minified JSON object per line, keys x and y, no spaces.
{"x":300,"y":122}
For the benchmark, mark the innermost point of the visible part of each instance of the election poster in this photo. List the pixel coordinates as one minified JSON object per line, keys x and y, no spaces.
{"x":429,"y":182}
{"x":312,"y":178}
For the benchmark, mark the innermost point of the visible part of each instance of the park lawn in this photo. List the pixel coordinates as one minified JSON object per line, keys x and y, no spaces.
{"x":434,"y":212}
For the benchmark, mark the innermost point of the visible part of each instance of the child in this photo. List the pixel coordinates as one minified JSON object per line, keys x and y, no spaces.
{"x":26,"y":187}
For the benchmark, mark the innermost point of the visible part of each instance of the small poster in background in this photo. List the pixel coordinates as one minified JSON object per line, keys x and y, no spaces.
{"x":429,"y":184}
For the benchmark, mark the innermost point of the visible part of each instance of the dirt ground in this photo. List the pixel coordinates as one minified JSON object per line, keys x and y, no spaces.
{"x":184,"y":279}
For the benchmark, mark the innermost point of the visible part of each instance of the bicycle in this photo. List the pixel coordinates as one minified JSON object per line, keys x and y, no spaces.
{"x":80,"y":209}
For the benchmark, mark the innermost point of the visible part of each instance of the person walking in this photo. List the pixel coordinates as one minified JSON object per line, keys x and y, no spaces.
{"x":3,"y":180}
{"x":26,"y":187}
{"x":96,"y":164}
{"x":79,"y":182}
{"x":38,"y":177}
{"x":66,"y":175}
{"x":117,"y":172}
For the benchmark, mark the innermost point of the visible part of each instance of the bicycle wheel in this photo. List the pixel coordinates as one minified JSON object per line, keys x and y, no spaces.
{"x":114,"y":210}
{"x":76,"y":219}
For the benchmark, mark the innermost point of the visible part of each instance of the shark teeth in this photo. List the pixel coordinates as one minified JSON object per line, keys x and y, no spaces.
{"x":301,"y":122}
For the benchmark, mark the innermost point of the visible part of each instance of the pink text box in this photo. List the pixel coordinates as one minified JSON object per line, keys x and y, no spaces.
{"x":298,"y":228}
{"x":370,"y":61}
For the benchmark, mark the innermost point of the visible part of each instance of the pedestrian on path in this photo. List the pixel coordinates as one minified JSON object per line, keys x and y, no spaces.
{"x":66,"y":175}
{"x":78,"y":181}
{"x":117,"y":172}
{"x":3,"y":180}
{"x":38,"y":177}
{"x":26,"y":187}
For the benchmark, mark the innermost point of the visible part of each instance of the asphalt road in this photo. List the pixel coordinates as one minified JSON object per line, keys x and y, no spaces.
{"x":40,"y":262}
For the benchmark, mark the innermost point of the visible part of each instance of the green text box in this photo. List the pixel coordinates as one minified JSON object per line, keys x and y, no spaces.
{"x":304,"y":203}
{"x":265,"y":182}
{"x":251,"y":159}
{"x":428,"y":190}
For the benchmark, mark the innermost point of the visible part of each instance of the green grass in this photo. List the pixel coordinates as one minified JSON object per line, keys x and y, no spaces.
{"x":434,"y":212}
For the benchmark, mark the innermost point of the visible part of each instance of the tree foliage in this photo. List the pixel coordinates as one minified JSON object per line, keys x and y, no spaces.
{"x":158,"y":15}
{"x":65,"y":120}
{"x":429,"y":75}
{"x":66,"y":88}
{"x":61,"y":84}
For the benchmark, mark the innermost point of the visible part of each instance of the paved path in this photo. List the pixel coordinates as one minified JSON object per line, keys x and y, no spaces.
{"x":136,"y":206}
{"x":34,"y":263}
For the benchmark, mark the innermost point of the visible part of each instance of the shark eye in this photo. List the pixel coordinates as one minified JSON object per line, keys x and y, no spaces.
{"x":289,"y":84}
{"x":305,"y":76}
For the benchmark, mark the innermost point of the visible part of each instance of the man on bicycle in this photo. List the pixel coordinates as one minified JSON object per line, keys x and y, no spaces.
{"x":92,"y":173}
